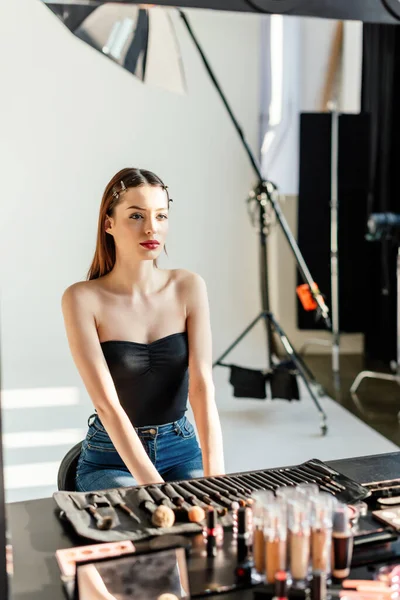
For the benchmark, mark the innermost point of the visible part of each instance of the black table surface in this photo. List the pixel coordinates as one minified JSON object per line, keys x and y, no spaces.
{"x":37,"y":533}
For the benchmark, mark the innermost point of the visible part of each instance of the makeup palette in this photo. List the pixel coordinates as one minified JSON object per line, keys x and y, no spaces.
{"x":389,"y":501}
{"x":390,"y":516}
{"x":68,"y":557}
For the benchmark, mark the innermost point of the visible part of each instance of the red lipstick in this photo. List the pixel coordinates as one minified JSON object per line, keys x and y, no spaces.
{"x":150,"y":244}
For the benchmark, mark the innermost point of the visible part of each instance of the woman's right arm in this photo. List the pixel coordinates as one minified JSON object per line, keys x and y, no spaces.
{"x":80,"y":324}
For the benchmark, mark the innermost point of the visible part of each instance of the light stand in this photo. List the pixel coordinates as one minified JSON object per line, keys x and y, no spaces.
{"x":334,"y":244}
{"x":263,"y":194}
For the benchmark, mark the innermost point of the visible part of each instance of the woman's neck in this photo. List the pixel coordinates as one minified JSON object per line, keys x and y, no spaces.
{"x":135,"y":279}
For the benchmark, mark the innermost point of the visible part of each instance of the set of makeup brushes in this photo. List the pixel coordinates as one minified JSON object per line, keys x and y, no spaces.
{"x":189,"y":501}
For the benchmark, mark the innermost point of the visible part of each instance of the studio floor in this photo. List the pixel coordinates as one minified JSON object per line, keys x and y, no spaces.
{"x":271,"y":433}
{"x":257,"y":434}
{"x":377,"y":403}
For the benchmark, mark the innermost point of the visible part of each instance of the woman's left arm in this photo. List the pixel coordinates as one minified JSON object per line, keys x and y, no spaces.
{"x":201,"y":386}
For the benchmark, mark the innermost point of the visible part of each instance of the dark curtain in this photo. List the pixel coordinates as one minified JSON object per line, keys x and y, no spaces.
{"x":381,"y":100}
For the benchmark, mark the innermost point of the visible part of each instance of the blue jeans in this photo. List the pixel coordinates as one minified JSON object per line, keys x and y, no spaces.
{"x":172,"y":448}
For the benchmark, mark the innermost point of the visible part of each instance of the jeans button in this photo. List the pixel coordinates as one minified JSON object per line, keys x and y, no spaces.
{"x":153,"y":431}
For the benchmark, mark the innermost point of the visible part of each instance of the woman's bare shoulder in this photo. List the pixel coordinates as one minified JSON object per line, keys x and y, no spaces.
{"x":82,"y":291}
{"x":191,"y":287}
{"x":187,"y":279}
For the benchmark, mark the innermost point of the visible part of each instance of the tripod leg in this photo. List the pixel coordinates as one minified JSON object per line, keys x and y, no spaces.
{"x":290,"y":352}
{"x":238,"y":339}
{"x":319,"y":389}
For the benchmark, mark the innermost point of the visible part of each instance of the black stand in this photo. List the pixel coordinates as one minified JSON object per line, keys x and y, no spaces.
{"x":263,"y":193}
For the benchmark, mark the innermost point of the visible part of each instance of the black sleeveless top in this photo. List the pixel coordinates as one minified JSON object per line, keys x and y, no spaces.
{"x":151,"y":380}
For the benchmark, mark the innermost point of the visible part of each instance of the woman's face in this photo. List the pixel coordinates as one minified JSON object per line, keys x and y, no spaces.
{"x":141,"y":217}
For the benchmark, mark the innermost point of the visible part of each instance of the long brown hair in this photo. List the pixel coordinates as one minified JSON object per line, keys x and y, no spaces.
{"x":104,"y":256}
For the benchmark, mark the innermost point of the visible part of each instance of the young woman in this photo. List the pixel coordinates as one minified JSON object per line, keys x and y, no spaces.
{"x":140,"y":338}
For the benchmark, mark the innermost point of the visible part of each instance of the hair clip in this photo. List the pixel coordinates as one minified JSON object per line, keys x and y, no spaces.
{"x":123,"y":189}
{"x":165,"y":188}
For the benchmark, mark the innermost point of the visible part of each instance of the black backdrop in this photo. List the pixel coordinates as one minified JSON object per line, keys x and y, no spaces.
{"x":369,"y":181}
{"x":314,"y":213}
{"x":381,"y":99}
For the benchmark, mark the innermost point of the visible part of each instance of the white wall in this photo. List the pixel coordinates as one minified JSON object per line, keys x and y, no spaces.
{"x":69,"y":120}
{"x":316,"y":41}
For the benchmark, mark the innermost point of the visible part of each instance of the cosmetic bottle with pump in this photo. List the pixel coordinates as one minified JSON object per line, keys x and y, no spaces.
{"x":318,"y":589}
{"x":275,"y":536}
{"x":308,"y":490}
{"x":342,"y":542}
{"x":299,"y":540}
{"x":322,"y":507}
{"x":261,"y":500}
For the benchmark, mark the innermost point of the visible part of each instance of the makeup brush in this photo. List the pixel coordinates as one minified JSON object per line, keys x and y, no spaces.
{"x":103,"y":522}
{"x":183,"y":511}
{"x":161,"y":516}
{"x":226,"y":493}
{"x":187,"y":513}
{"x":236,"y":483}
{"x":159,"y":497}
{"x":320,"y":477}
{"x":212,"y":493}
{"x":189,"y":497}
{"x":204,"y":497}
{"x":298,"y":475}
{"x":116,"y":500}
{"x":237,"y":495}
{"x":173,"y":494}
{"x":256,"y":485}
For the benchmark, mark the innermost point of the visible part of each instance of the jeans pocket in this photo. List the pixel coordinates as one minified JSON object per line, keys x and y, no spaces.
{"x":91,"y":432}
{"x":100,"y":441}
{"x":186,"y":429}
{"x":96,"y":429}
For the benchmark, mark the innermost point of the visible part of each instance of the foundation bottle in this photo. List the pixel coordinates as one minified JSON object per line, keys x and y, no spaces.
{"x":308,"y":490}
{"x":285,"y":495}
{"x":260,"y":500}
{"x":299,"y":540}
{"x":275,"y":536}
{"x":342,"y":541}
{"x":321,"y":532}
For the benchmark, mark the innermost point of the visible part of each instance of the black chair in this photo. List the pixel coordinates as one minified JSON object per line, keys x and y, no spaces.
{"x":67,"y":470}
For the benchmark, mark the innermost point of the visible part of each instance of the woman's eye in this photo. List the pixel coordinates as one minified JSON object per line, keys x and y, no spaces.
{"x":163,"y":216}
{"x":136,"y":216}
